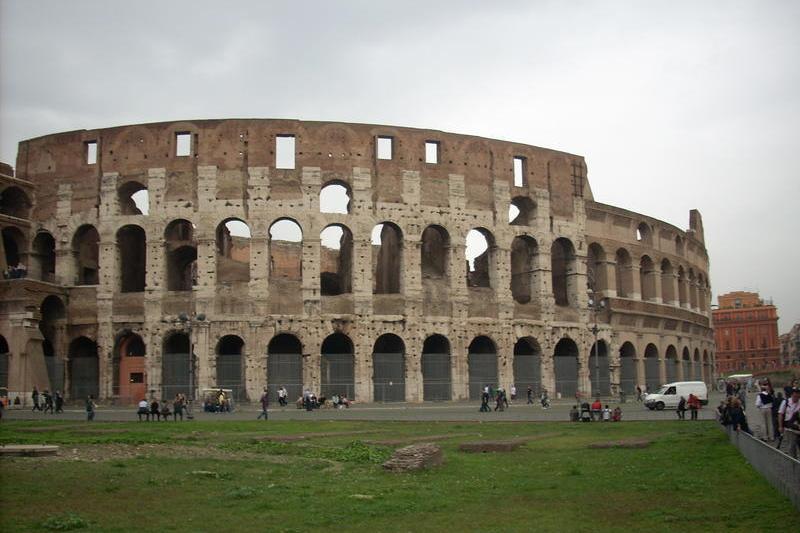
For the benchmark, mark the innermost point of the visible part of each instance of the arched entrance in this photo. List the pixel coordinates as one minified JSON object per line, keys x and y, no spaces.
{"x":652,"y":376}
{"x":565,"y":365}
{"x":285,"y":366}
{"x":627,"y":361}
{"x":84,"y":369}
{"x":4,"y":355}
{"x":671,"y":364}
{"x":337,"y":366}
{"x":527,"y":365}
{"x":436,"y":370}
{"x":176,"y":366}
{"x":389,"y":369}
{"x":482,"y":362}
{"x":130,"y":384}
{"x":230,"y":366}
{"x":599,"y":376}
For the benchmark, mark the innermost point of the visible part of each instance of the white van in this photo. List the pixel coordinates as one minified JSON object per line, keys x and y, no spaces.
{"x":670,"y":394}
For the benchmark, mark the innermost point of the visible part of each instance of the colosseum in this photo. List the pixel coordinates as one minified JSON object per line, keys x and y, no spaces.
{"x":379,"y":262}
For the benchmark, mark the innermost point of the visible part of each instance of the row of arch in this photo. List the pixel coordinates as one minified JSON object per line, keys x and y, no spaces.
{"x":389,"y":359}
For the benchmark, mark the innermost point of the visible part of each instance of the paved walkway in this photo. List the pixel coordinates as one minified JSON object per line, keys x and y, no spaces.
{"x":445,"y":411}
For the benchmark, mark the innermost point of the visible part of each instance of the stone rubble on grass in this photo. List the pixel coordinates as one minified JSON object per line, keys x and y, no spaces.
{"x":415,"y":457}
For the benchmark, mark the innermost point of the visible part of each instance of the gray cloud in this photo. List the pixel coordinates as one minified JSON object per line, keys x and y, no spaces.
{"x":676,"y":105}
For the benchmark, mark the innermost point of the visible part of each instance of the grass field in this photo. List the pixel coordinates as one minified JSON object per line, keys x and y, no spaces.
{"x":224,"y":476}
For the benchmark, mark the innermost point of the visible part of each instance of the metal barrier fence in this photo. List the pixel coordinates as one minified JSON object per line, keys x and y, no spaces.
{"x":779,"y":469}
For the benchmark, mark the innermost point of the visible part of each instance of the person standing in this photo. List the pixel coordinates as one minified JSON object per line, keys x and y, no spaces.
{"x":485,"y":401}
{"x":682,"y":408}
{"x":35,"y":398}
{"x":513,"y":393}
{"x":776,"y":406}
{"x":90,"y":407}
{"x":639,"y":393}
{"x":694,"y":405}
{"x":764,"y":401}
{"x":530,"y":395}
{"x":48,"y":401}
{"x":177,"y":407}
{"x":789,"y":421}
{"x":59,"y":402}
{"x":264,"y":404}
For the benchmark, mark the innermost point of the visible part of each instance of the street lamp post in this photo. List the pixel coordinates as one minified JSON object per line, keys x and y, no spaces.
{"x":188,"y":322}
{"x":595,"y":305}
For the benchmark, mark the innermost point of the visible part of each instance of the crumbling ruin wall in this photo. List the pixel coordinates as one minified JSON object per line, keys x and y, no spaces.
{"x":256,"y":288}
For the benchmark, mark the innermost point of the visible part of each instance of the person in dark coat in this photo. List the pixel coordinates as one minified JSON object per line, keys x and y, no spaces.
{"x":35,"y":398}
{"x":682,"y":408}
{"x":155,"y":412}
{"x":737,"y":417}
{"x":264,"y":404}
{"x":59,"y":399}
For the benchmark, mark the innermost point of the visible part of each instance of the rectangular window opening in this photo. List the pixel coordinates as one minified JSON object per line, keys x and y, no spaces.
{"x":91,"y":152}
{"x":136,"y":377}
{"x":385,"y":147}
{"x":519,"y":171}
{"x":432,"y":152}
{"x":183,"y":144}
{"x":284,"y":151}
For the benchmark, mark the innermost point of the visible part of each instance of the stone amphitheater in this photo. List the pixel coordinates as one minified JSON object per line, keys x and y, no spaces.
{"x":378,"y":262}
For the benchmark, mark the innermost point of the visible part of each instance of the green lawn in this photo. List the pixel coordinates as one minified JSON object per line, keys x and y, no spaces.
{"x":218,"y":476}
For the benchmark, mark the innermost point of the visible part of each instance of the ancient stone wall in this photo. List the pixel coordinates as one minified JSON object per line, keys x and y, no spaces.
{"x":397,"y":313}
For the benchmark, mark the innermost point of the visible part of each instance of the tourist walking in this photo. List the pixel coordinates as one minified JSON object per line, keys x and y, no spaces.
{"x":59,"y":399}
{"x":178,"y":407}
{"x":639,"y":397}
{"x":764,"y":401}
{"x":485,"y":401}
{"x":513,"y":393}
{"x":530,"y":395}
{"x":90,"y":407}
{"x":264,"y":404}
{"x":681,"y":408}
{"x":694,"y":405}
{"x":48,"y":401}
{"x":282,"y":397}
{"x":737,"y":417}
{"x":35,"y":398}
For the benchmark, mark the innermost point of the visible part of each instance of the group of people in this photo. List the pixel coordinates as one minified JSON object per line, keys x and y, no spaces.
{"x":778,"y":414}
{"x":501,"y":398}
{"x":693,"y":404}
{"x":45,"y":401}
{"x":217,"y":402}
{"x":595,"y":411}
{"x":155,"y":411}
{"x":15,"y":272}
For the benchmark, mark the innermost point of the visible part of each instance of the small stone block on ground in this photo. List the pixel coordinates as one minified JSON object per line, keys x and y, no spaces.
{"x":490,"y":446}
{"x":415,"y":457}
{"x":632,"y":443}
{"x":28,"y":450}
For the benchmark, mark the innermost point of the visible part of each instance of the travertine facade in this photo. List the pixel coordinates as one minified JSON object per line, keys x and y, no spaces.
{"x":98,"y":310}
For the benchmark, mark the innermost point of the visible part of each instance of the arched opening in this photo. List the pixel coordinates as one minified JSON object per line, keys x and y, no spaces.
{"x":522,"y":211}
{"x":624,"y":273}
{"x":230,"y":366}
{"x":15,"y":203}
{"x":435,"y":251}
{"x":436,"y":369}
{"x":678,"y":245}
{"x":527,"y":365}
{"x":647,"y":278}
{"x":52,"y":325}
{"x":565,"y":366}
{"x":133,"y":199}
{"x":627,"y":361}
{"x":132,"y":249}
{"x":337,"y":366}
{"x":523,"y":269}
{"x":4,"y":355}
{"x":336,"y":260}
{"x":84,"y":369}
{"x":652,"y":375}
{"x":682,"y":292}
{"x":14,"y":248}
{"x":692,"y":285}
{"x":667,"y":282}
{"x":671,"y":364}
{"x":389,"y":369}
{"x":334,"y":197}
{"x":130,"y":380}
{"x":482,"y":362}
{"x":176,"y":367}
{"x":387,"y":258}
{"x":702,"y":293}
{"x":685,"y":370}
{"x":707,"y":365}
{"x":43,"y":257}
{"x":643,"y":233}
{"x":596,"y":269}
{"x":286,"y":253}
{"x":233,"y":251}
{"x":480,"y":255}
{"x":562,"y":258}
{"x":285,"y":366}
{"x":697,"y":366}
{"x":86,"y":251}
{"x":181,"y":255}
{"x":599,"y":375}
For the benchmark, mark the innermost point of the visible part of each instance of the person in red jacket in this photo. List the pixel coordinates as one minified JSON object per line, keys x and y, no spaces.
{"x":597,"y":408}
{"x":694,"y":405}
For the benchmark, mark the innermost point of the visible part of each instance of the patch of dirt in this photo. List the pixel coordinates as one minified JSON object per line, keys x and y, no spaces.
{"x":629,"y":443}
{"x":306,"y":436}
{"x":501,"y":445}
{"x":412,"y":440}
{"x":415,"y":457}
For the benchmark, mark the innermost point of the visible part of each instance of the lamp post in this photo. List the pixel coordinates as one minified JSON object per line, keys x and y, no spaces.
{"x":595,"y":305}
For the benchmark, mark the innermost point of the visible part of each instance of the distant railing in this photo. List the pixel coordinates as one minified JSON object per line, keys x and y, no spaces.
{"x":779,"y":469}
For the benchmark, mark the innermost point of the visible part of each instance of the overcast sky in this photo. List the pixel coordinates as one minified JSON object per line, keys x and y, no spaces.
{"x":675,"y":105}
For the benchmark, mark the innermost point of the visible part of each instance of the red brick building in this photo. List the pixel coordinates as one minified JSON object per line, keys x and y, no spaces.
{"x":746,"y":333}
